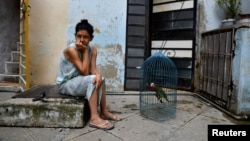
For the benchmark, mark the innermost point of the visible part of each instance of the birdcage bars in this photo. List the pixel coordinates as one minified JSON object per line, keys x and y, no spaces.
{"x":158,"y":88}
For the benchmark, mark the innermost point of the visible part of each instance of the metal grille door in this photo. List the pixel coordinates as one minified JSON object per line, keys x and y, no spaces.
{"x":137,"y":41}
{"x":216,"y":66}
{"x":167,"y":26}
{"x":173,"y":33}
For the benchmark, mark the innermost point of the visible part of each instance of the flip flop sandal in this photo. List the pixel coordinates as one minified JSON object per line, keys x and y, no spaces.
{"x":101,"y":126}
{"x":114,"y":118}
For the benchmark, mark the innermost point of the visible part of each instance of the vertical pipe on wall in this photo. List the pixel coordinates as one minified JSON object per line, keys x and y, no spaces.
{"x":26,"y":22}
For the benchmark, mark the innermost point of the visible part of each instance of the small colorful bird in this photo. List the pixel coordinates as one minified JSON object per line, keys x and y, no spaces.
{"x":159,"y":92}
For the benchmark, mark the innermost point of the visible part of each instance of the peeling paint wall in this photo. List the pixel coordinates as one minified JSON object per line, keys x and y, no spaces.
{"x":109,"y":20}
{"x":209,"y":17}
{"x":52,"y":28}
{"x":245,"y":6}
{"x":240,"y":102}
{"x":111,"y":64}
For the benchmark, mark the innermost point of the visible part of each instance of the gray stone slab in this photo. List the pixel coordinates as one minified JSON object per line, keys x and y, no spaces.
{"x":10,"y":88}
{"x":6,"y":95}
{"x":196,"y":129}
{"x":139,"y":128}
{"x":193,"y":115}
{"x":52,"y":113}
{"x":96,"y":135}
{"x":123,"y":104}
{"x":32,"y":134}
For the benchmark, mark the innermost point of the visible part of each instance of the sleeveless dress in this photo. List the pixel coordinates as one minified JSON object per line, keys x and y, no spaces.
{"x":71,"y":82}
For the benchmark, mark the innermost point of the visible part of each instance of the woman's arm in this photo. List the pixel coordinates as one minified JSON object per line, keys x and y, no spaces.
{"x":98,"y":78}
{"x":81,"y":65}
{"x":93,"y":61}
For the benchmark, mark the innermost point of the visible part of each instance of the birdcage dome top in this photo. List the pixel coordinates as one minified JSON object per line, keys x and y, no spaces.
{"x":158,"y":60}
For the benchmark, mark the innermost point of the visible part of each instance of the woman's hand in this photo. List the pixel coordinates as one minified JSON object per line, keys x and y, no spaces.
{"x":80,"y":46}
{"x":97,"y":80}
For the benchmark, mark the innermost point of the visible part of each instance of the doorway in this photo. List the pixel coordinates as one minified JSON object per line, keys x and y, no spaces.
{"x":166,"y":26}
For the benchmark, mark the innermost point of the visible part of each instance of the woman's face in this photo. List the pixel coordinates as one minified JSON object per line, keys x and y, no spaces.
{"x":83,"y":37}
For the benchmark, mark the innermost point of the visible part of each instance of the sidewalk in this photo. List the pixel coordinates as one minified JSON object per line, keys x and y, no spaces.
{"x":193,"y":115}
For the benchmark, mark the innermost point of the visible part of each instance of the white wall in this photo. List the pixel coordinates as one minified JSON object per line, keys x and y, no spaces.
{"x":47,"y":37}
{"x":109,"y":20}
{"x":210,"y":15}
{"x":245,"y":6}
{"x":51,"y":28}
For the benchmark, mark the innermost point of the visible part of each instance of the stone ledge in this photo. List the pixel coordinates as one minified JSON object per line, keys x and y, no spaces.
{"x":55,"y":112}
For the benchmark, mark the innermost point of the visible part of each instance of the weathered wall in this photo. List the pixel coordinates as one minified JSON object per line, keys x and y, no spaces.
{"x":240,"y":102}
{"x":209,"y":17}
{"x":51,"y":29}
{"x":245,"y":6}
{"x":47,"y":37}
{"x":9,"y":27}
{"x":109,"y":20}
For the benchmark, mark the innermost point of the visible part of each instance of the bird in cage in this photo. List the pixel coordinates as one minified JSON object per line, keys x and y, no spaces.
{"x":159,"y":92}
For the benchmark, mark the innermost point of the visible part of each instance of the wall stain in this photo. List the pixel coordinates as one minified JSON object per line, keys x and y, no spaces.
{"x":97,"y":30}
{"x":132,"y":106}
{"x":111,"y":66}
{"x":109,"y":71}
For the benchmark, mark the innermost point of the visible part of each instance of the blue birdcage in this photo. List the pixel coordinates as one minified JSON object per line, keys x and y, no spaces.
{"x":158,"y":87}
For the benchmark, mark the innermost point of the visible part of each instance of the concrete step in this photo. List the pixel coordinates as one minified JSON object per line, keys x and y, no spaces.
{"x":15,"y":56}
{"x":9,"y":77}
{"x":51,"y":112}
{"x":11,"y":67}
{"x":28,"y":109}
{"x":10,"y":87}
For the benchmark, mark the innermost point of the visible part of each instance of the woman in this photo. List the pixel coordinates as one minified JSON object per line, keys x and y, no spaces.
{"x":78,"y":76}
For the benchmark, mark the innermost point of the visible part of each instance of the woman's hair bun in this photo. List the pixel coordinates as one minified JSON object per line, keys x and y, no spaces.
{"x":84,"y":25}
{"x":84,"y":21}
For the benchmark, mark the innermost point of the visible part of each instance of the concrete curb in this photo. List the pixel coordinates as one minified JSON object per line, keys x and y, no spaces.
{"x":52,"y":112}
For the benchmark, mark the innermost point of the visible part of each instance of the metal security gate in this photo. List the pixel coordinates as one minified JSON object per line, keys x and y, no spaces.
{"x":137,"y":42}
{"x":216,"y":66}
{"x":161,"y":25}
{"x":173,"y":33}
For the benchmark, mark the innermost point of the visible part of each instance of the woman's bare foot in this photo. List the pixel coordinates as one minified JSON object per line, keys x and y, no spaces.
{"x":99,"y":123}
{"x":110,"y":116}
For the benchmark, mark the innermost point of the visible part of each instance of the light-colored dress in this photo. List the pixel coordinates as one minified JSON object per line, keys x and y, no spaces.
{"x":71,"y":82}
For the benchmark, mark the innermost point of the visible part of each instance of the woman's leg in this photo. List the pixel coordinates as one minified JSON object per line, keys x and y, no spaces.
{"x":104,"y":110}
{"x":78,"y":86}
{"x":94,"y":115}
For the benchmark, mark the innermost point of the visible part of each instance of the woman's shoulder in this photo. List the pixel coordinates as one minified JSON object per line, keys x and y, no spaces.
{"x":72,"y":45}
{"x":94,"y":49}
{"x":70,"y":51}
